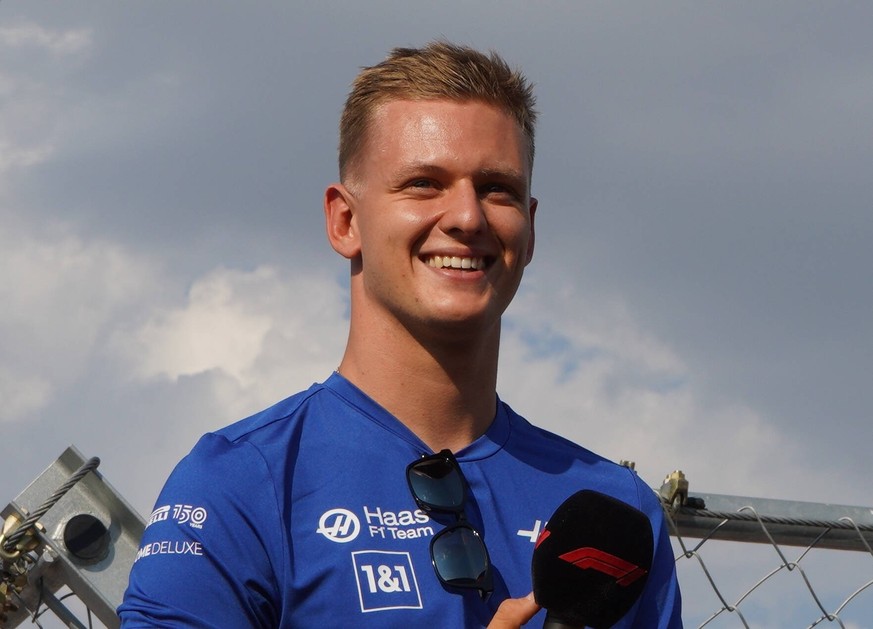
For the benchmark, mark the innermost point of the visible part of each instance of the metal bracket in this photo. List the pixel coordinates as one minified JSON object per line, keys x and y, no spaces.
{"x":87,"y":542}
{"x":674,"y":490}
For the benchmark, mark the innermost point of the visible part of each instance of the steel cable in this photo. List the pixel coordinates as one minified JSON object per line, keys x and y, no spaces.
{"x":16,"y":536}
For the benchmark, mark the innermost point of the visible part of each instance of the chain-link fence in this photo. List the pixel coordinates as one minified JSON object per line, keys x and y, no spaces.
{"x":745,"y":562}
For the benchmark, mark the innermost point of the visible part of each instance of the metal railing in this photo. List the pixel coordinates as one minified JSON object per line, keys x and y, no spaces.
{"x":795,"y":578}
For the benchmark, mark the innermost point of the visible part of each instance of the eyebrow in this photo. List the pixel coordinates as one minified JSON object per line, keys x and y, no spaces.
{"x":506,"y":173}
{"x":415,"y":169}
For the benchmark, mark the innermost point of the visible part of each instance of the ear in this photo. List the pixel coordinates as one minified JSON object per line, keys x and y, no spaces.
{"x":339,"y":217}
{"x":530,"y":243}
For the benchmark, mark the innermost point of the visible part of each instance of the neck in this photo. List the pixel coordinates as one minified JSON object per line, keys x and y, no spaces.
{"x":443,"y":391}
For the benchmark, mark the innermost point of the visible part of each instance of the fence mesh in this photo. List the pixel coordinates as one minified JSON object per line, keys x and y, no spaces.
{"x":778,"y":571}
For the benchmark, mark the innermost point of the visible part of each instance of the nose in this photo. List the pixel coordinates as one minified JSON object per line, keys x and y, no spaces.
{"x":464,"y":212}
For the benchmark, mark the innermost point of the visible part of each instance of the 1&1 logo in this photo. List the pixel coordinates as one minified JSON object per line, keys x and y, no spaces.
{"x":339,"y":525}
{"x":386,"y":580}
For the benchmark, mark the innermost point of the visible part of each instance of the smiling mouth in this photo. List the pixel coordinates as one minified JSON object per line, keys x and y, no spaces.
{"x":456,"y":262}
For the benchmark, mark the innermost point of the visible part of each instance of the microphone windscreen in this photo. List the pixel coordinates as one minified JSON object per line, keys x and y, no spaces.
{"x":591,"y":562}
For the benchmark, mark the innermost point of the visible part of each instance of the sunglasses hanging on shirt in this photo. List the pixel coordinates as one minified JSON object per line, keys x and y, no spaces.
{"x":458,"y":552}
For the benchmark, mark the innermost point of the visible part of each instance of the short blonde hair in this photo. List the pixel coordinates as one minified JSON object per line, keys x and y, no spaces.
{"x":438,"y":70}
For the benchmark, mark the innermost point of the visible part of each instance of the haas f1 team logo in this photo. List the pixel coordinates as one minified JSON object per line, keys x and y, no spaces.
{"x":339,"y":525}
{"x":588,"y":558}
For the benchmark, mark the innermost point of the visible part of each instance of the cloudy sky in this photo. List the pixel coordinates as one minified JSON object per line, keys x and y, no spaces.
{"x":701,"y":293}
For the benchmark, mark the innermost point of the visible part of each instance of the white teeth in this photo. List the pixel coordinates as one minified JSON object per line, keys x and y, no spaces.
{"x":455,"y":262}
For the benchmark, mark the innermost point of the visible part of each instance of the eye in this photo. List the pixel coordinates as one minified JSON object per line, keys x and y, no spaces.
{"x":421,"y":187}
{"x":497,"y":191}
{"x":495,"y":187}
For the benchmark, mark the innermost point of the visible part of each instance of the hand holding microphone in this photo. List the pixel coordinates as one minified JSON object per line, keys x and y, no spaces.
{"x":591,"y":562}
{"x":514,"y":613}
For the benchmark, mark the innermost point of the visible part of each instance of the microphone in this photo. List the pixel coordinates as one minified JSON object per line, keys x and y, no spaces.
{"x":591,"y":562}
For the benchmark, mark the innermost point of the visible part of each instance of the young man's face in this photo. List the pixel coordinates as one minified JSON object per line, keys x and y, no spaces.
{"x":443,"y":214}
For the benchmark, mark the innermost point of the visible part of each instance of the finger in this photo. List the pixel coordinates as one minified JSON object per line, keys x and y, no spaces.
{"x":514,"y":612}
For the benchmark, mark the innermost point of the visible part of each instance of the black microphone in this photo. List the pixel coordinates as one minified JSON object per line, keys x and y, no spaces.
{"x":591,"y":562}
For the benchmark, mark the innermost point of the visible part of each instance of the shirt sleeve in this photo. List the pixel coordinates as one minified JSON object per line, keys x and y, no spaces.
{"x":208,"y":555}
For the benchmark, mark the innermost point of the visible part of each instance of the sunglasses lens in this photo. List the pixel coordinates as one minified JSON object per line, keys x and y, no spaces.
{"x":460,"y":558}
{"x":436,"y":484}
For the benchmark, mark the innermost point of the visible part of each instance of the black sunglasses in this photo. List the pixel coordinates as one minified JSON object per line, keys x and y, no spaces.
{"x":458,"y":552}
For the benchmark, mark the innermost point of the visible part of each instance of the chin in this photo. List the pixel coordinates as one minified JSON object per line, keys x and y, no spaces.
{"x":462,"y":327}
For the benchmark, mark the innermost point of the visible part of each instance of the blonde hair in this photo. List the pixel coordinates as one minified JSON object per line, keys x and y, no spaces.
{"x":438,"y":70}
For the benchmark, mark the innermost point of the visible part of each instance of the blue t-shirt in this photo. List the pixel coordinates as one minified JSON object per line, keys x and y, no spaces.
{"x":301,"y":516}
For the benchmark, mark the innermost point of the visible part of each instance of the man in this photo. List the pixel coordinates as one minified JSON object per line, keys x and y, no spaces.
{"x":322,"y":511}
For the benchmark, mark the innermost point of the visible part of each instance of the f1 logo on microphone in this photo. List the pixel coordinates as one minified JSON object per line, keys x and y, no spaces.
{"x":624,"y":572}
{"x":589,"y":558}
